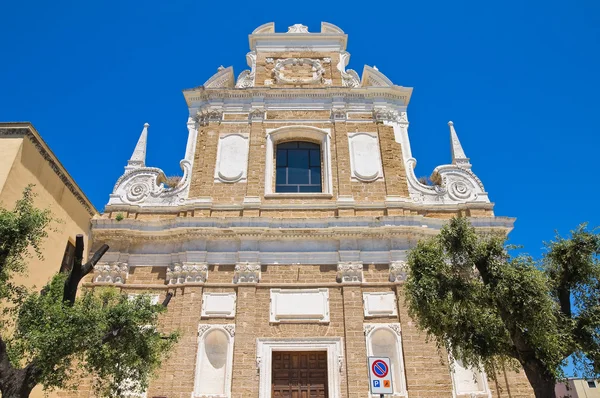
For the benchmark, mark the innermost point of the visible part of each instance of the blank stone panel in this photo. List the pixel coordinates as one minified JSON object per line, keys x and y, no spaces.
{"x":380,"y":304}
{"x":218,"y":305}
{"x":300,"y":305}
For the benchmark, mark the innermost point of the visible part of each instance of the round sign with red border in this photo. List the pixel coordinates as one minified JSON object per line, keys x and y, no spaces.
{"x":379,"y":368}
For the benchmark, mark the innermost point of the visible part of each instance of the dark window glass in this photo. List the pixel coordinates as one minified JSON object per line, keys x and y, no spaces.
{"x":591,"y":384}
{"x":68,"y":257}
{"x":298,"y":167}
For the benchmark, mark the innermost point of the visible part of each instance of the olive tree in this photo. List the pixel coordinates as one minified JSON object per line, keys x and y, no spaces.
{"x":490,"y":309}
{"x":56,"y":337}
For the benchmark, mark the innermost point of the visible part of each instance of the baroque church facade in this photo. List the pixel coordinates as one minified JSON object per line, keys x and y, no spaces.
{"x":285,"y":241}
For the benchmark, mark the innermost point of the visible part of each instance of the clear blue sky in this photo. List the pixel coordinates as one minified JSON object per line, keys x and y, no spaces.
{"x":520,"y":79}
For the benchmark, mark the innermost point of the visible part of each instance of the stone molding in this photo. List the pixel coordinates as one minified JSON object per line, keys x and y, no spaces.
{"x":28,"y":131}
{"x":316,"y":65}
{"x":350,"y":272}
{"x":398,"y":271}
{"x":187,"y":272}
{"x":247,"y":77}
{"x":247,"y":272}
{"x":335,"y":359}
{"x":115,"y":272}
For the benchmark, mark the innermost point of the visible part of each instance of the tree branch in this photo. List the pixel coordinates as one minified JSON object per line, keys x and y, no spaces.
{"x":5,"y":365}
{"x":79,"y":271}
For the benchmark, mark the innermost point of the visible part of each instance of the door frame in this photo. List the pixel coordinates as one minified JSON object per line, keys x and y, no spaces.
{"x":332,"y":345}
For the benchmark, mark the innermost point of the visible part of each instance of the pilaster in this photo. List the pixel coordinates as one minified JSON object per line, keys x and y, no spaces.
{"x":354,"y":337}
{"x":245,"y":374}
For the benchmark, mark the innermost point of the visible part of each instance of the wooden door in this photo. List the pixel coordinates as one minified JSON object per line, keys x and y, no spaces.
{"x":299,"y":374}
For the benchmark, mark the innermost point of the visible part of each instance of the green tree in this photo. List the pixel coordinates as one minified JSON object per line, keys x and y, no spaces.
{"x":488,"y":308}
{"x":55,"y":337}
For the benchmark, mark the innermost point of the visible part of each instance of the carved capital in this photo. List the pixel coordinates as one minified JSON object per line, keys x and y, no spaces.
{"x":338,"y":115}
{"x":113,"y":272}
{"x":385,"y":114}
{"x":178,"y":273}
{"x":256,"y":115}
{"x":246,"y":273}
{"x":350,"y":272}
{"x":398,"y":271}
{"x":206,"y":116}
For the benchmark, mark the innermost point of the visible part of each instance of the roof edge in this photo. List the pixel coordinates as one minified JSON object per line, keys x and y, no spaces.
{"x":26,"y":129}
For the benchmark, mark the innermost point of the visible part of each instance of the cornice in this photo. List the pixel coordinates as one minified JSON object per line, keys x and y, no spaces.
{"x":183,"y":229}
{"x":25,"y":129}
{"x":201,"y":93}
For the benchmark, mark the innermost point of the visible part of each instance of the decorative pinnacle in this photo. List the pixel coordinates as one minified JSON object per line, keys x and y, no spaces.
{"x":458,"y":154}
{"x":138,"y":157}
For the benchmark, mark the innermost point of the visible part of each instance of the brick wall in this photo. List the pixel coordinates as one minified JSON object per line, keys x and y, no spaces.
{"x":426,"y":368}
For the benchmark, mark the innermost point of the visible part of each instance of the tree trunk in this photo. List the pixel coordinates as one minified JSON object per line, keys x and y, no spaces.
{"x":16,"y":385}
{"x":543,"y":383}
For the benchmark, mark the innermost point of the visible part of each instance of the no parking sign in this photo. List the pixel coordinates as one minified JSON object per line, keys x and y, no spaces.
{"x":380,"y":375}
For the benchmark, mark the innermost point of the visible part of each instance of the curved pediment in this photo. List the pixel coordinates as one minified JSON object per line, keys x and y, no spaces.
{"x":372,"y":77}
{"x":222,"y":79}
{"x":269,"y":27}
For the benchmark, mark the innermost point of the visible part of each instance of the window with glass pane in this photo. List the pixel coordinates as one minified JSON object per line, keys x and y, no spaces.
{"x":298,"y":167}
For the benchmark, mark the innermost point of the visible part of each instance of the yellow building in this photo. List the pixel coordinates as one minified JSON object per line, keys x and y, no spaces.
{"x":285,"y":240}
{"x":26,"y":159}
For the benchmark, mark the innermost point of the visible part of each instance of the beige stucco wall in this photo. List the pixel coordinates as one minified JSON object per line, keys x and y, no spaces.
{"x":21,"y":164}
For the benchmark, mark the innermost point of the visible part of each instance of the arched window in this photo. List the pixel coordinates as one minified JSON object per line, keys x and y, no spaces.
{"x":213,"y":364}
{"x":298,"y":167}
{"x":384,"y":341}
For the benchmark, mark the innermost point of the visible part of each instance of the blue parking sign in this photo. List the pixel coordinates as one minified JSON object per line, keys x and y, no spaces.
{"x":376,"y":383}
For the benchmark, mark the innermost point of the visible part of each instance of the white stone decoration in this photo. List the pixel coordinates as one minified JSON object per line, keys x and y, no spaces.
{"x":378,"y":304}
{"x":187,"y":272}
{"x":222,"y":79}
{"x":365,"y":157}
{"x":468,"y":382}
{"x":298,"y":28}
{"x":246,"y":78}
{"x":349,"y":77}
{"x":247,"y":272}
{"x":350,"y":272}
{"x":372,"y":77}
{"x":398,"y":271}
{"x":385,"y":340}
{"x":218,"y":305}
{"x":332,"y":345}
{"x":214,"y":361}
{"x":298,"y":133}
{"x":114,"y":272}
{"x":459,"y":183}
{"x":143,"y":186}
{"x":232,"y":158}
{"x":299,"y":305}
{"x":317,"y":70}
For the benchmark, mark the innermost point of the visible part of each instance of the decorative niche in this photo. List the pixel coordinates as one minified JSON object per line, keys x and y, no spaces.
{"x":232,"y":158}
{"x":365,"y":157}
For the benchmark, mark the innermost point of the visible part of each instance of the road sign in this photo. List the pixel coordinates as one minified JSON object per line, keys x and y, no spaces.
{"x":380,"y":375}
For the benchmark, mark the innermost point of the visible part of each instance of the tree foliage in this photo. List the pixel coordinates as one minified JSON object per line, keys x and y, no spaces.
{"x":55,"y":337}
{"x":490,"y":309}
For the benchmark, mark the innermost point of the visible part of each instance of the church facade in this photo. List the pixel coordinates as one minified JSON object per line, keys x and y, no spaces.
{"x":285,"y":240}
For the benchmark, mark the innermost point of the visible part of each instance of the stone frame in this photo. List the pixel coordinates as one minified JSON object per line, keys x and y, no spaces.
{"x":278,"y":294}
{"x":485,"y":393}
{"x":395,"y":329}
{"x":224,"y":138}
{"x":335,"y":359}
{"x":355,"y":165}
{"x":298,"y":133}
{"x":206,"y":313}
{"x":203,"y":330}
